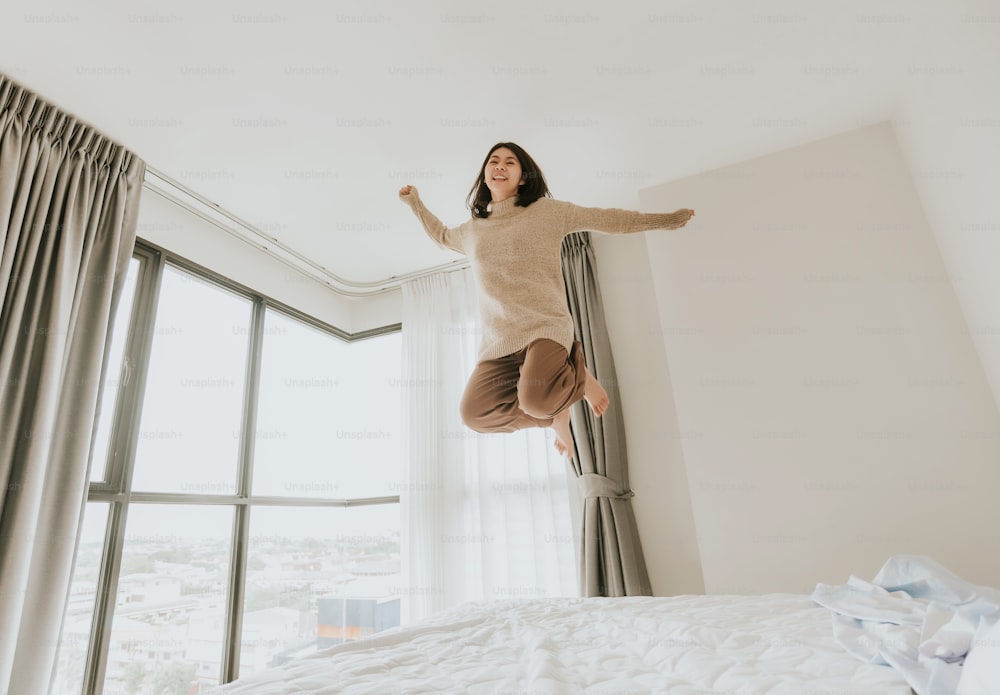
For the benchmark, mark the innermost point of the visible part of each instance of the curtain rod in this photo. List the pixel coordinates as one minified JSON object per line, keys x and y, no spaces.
{"x":176,"y":192}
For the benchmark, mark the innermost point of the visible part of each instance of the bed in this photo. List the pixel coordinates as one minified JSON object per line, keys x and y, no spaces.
{"x":778,"y":644}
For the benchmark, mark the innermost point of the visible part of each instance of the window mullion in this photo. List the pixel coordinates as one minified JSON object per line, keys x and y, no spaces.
{"x":124,"y":436}
{"x":104,"y":608}
{"x":241,"y":517}
{"x":136,"y":361}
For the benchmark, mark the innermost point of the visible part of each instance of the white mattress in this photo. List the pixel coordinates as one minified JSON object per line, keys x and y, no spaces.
{"x":778,"y":644}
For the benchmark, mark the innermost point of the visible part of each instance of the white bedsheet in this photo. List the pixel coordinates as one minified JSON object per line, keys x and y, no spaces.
{"x":778,"y":644}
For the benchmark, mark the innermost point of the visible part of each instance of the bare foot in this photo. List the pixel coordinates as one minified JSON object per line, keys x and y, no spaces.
{"x":596,"y":396}
{"x":564,"y":436}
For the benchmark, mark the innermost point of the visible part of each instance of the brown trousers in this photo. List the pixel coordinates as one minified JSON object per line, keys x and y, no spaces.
{"x":524,"y":389}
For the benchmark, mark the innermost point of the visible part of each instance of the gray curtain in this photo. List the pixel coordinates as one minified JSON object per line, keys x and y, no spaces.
{"x":611,"y":560}
{"x":69,"y":199}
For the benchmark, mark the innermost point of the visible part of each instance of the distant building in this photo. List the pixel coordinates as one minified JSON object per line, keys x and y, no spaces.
{"x":266,"y":634}
{"x":148,"y":588}
{"x":134,"y":641}
{"x":346,"y":619}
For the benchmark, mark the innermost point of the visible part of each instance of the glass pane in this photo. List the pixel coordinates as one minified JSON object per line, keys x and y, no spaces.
{"x":318,"y":577}
{"x":328,"y":422}
{"x":112,"y":376}
{"x":169,"y":622}
{"x":75,"y":637}
{"x":189,"y":435}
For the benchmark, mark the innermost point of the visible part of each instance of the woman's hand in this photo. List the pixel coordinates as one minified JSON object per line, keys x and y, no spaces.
{"x":408,"y":194}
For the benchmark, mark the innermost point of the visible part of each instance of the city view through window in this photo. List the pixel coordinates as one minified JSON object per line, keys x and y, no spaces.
{"x":253,"y":515}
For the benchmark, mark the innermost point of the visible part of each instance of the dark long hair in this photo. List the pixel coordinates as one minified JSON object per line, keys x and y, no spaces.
{"x":533,"y":188}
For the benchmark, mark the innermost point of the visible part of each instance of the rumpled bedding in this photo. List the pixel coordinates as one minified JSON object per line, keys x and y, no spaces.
{"x":778,"y":644}
{"x":922,"y":620}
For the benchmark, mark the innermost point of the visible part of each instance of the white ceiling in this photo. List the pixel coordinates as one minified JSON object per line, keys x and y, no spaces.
{"x":304,"y":118}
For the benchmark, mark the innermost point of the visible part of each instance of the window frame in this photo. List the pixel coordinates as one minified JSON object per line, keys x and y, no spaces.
{"x":115,"y":488}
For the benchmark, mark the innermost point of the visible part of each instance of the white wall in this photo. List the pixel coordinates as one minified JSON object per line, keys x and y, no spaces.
{"x":948,"y":127}
{"x":180,"y":231}
{"x":828,"y":405}
{"x":657,"y":473}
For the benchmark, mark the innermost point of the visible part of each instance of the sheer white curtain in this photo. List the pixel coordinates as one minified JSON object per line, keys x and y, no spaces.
{"x":484,"y":516}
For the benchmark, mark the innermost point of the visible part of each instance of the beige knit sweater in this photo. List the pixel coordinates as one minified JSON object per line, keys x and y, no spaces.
{"x":515,"y":258}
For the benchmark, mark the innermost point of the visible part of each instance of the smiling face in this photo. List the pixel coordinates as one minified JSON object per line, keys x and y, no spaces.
{"x":503,"y":174}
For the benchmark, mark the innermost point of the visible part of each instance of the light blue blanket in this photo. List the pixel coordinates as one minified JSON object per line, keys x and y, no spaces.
{"x":915,"y":616}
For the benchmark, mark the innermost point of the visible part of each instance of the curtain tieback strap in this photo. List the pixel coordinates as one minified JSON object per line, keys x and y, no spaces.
{"x":594,"y":485}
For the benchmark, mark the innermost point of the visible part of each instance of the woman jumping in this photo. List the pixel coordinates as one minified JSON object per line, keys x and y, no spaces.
{"x":530,"y":369}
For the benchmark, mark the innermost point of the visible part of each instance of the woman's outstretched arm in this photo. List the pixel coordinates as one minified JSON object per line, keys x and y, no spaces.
{"x":444,"y":236}
{"x":617,"y":221}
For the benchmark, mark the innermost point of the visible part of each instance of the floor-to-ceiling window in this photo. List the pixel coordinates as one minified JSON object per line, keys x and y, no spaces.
{"x":243,"y":505}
